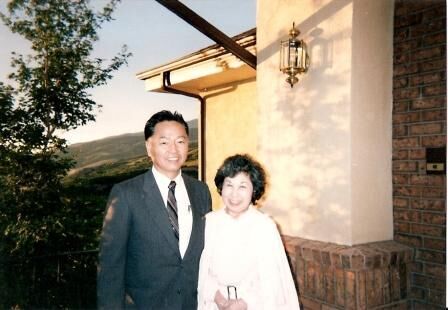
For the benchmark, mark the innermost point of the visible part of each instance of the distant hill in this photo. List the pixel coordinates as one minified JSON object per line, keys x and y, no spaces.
{"x":123,"y":152}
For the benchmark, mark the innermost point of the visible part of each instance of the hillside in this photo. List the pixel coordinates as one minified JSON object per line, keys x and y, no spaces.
{"x":119,"y":154}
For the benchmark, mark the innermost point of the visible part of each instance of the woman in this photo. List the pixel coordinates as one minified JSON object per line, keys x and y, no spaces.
{"x":243,"y":264}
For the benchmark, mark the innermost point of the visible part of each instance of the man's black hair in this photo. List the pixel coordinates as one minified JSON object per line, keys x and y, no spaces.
{"x":161,"y":117}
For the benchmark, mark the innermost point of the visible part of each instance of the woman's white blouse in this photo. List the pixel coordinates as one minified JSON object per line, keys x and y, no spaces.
{"x":247,"y":253}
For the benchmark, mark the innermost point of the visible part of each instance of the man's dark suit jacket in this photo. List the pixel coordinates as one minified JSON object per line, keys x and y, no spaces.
{"x":139,"y":262}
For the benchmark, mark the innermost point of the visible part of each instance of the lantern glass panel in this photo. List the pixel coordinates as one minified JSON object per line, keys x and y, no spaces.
{"x":293,"y":53}
{"x":284,"y":56}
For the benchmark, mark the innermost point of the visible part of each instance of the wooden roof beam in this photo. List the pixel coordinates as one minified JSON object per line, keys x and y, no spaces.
{"x":210,"y":31}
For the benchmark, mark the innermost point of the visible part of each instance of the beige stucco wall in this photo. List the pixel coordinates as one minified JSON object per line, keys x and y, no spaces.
{"x":371,"y":121}
{"x":327,"y":141}
{"x":231,"y":127}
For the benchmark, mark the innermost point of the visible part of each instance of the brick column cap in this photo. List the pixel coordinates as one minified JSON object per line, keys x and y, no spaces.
{"x":356,"y":257}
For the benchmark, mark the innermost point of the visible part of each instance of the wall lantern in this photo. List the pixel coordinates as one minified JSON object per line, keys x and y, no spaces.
{"x":294,"y":57}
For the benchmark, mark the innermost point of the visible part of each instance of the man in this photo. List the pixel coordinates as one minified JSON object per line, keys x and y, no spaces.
{"x":153,"y":231}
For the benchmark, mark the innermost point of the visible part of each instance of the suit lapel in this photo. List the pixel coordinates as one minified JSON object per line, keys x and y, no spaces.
{"x":154,"y":203}
{"x":197,"y":228}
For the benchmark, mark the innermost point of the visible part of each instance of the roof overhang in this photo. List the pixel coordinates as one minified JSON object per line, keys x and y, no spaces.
{"x":205,"y":69}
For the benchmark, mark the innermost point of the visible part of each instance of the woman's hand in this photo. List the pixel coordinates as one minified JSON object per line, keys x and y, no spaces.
{"x":225,"y":304}
{"x":237,"y":304}
{"x":221,"y":301}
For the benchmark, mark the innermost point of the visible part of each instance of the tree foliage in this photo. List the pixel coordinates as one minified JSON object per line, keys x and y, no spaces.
{"x":53,"y":83}
{"x":49,"y":94}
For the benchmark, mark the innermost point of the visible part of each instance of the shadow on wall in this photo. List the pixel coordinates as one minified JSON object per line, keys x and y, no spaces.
{"x":307,"y":132}
{"x":306,"y":27}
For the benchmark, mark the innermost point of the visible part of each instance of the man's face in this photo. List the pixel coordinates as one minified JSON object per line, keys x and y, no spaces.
{"x":168,"y":147}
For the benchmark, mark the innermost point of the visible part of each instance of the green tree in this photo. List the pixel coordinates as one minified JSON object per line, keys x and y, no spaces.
{"x":50,"y":95}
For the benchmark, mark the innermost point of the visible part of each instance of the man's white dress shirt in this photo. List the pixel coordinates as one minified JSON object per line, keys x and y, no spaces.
{"x":184,"y":214}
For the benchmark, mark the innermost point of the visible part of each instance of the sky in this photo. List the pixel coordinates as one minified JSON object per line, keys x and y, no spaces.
{"x":155,"y":36}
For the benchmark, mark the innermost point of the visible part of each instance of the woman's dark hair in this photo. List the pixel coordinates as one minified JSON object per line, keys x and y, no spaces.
{"x":242,"y":163}
{"x":161,"y":117}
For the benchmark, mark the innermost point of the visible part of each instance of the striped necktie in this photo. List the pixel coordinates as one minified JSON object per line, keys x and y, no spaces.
{"x":172,"y":209}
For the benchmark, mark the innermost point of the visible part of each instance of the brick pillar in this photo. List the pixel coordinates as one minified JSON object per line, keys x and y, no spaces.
{"x":366,"y":276}
{"x":419,"y":123}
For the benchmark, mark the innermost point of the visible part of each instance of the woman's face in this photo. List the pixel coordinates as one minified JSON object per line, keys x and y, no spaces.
{"x":236,"y":193}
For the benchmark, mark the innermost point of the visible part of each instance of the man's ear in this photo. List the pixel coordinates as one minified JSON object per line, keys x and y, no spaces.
{"x":148,"y":147}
